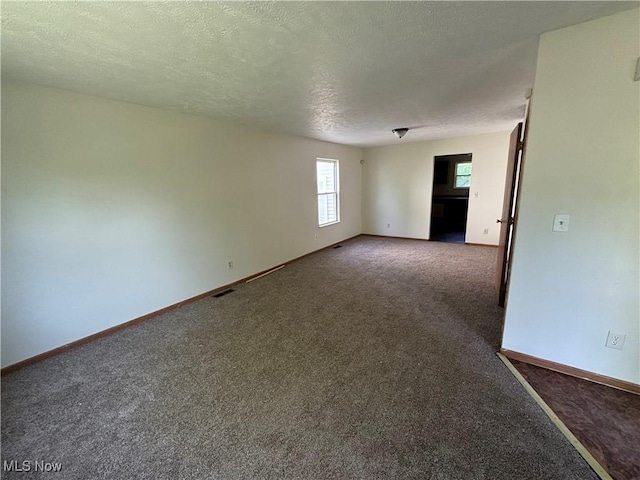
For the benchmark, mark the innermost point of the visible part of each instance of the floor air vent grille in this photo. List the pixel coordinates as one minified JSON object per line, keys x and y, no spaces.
{"x":222,"y":294}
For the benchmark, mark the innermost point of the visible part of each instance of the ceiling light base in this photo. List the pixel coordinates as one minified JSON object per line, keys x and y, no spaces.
{"x":400,"y":132}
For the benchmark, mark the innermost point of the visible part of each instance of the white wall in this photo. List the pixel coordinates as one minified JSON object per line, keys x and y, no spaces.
{"x":112,"y":210}
{"x":569,"y":289}
{"x":397,"y":184}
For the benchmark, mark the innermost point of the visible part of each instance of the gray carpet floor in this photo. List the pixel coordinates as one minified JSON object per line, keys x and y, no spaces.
{"x":375,"y":360}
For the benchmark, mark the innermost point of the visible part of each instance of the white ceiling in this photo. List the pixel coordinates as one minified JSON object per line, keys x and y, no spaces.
{"x":346,"y":72}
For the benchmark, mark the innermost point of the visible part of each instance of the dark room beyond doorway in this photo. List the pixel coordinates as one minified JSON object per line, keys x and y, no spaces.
{"x":450,"y":199}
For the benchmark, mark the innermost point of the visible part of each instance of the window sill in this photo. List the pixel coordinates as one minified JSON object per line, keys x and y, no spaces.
{"x":328,"y":224}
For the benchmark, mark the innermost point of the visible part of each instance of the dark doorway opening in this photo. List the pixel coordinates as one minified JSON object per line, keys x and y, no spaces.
{"x":450,"y":199}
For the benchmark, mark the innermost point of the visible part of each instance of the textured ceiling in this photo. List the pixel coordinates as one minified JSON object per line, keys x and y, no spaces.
{"x":346,"y":72}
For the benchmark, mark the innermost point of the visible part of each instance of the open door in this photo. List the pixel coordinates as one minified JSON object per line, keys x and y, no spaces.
{"x":507,"y":221}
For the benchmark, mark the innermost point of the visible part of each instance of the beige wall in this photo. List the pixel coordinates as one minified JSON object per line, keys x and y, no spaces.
{"x":398,"y":182}
{"x":569,"y":289}
{"x":112,"y":210}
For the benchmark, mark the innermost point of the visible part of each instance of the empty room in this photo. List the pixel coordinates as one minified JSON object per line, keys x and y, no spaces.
{"x":308,"y":240}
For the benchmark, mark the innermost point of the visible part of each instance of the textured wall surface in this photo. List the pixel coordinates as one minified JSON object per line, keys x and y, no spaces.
{"x":346,"y":72}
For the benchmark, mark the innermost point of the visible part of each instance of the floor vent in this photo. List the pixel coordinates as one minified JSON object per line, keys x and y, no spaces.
{"x":338,"y":246}
{"x":222,"y":294}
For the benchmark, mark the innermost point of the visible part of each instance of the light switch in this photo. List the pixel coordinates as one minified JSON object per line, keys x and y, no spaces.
{"x":561,"y":222}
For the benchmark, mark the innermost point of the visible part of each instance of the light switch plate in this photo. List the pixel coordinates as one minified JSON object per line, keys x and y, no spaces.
{"x":561,"y":222}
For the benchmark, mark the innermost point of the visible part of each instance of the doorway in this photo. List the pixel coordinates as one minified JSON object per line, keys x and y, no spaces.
{"x":450,"y":198}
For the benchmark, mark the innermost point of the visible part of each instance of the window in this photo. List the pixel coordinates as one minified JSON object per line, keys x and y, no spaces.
{"x":463,"y":175}
{"x":328,"y":182}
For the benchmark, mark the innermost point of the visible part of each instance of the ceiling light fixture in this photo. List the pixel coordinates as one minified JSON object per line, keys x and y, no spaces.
{"x":400,"y":132}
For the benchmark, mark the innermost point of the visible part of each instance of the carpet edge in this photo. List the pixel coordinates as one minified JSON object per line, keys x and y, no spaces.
{"x":581,"y":449}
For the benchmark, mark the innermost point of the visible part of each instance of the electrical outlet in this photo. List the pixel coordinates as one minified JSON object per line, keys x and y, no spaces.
{"x":486,"y":231}
{"x":388,"y":225}
{"x":230,"y":265}
{"x":615,"y":340}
